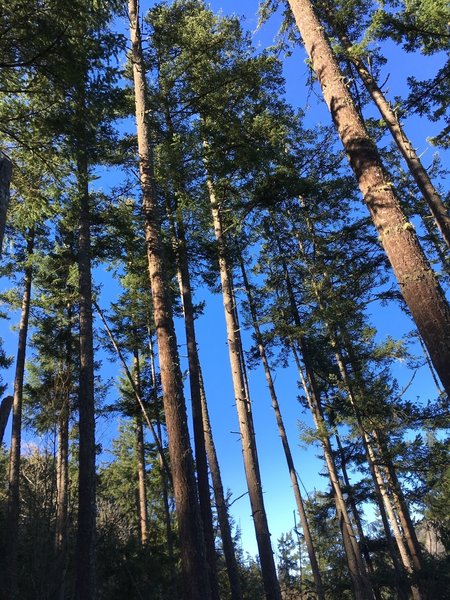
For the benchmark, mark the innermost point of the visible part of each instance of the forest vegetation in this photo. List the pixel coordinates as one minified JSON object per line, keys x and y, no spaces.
{"x":151,"y":162}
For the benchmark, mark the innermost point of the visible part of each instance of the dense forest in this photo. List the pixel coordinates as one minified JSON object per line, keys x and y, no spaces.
{"x":152,"y":163}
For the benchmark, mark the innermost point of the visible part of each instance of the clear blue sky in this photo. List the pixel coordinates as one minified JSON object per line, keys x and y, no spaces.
{"x":212,"y":337}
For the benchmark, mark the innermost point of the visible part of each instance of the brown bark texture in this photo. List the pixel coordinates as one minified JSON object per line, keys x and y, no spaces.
{"x":418,"y":284}
{"x":195,"y":572}
{"x":418,"y":171}
{"x":196,"y":401}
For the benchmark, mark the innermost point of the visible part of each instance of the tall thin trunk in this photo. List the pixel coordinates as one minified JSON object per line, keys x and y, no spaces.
{"x":12,"y":546}
{"x":421,"y":177}
{"x":356,"y":516}
{"x":243,"y":406}
{"x":382,"y":498}
{"x":85,"y":588}
{"x":195,"y":571}
{"x":5,"y":181}
{"x":400,"y":504}
{"x":221,"y":503}
{"x":164,"y":474}
{"x":140,"y":455}
{"x":5,"y":411}
{"x":284,"y":440}
{"x":361,"y":587}
{"x":408,"y":565}
{"x":417,"y":281}
{"x":62,"y":488}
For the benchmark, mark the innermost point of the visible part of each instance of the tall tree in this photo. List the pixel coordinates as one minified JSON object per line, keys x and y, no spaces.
{"x":195,"y":575}
{"x":417,"y":282}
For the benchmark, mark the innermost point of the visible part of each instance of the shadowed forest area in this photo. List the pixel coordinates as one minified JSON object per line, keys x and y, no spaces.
{"x":150,"y":159}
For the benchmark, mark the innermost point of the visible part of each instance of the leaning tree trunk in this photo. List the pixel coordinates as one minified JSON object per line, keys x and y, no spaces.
{"x":361,"y":586}
{"x":85,"y":553}
{"x":5,"y":181}
{"x":12,"y":541}
{"x":417,"y":170}
{"x":195,"y":572}
{"x":418,"y":283}
{"x":283,"y":436}
{"x":268,"y":570}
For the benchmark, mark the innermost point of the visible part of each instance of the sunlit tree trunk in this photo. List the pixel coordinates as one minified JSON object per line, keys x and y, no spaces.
{"x":417,"y":281}
{"x":195,"y":572}
{"x":421,"y":177}
{"x":243,"y":406}
{"x":283,"y":436}
{"x":12,"y":542}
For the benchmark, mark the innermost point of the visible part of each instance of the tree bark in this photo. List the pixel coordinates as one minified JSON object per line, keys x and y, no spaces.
{"x":361,"y":584}
{"x":5,"y":181}
{"x":421,"y":177}
{"x":196,"y":400}
{"x":221,"y":503}
{"x":418,"y":284}
{"x":85,"y":588}
{"x":283,"y":436}
{"x":12,"y":546}
{"x":195,"y":572}
{"x":243,"y":406}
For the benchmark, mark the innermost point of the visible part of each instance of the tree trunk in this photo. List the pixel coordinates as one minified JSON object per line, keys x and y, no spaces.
{"x":165,"y":475}
{"x":400,"y":504}
{"x":361,"y":583}
{"x":243,"y":406}
{"x":5,"y":410}
{"x":355,"y":513}
{"x":184,"y":279}
{"x":140,"y":456}
{"x":12,"y":546}
{"x":283,"y":436}
{"x":423,"y":181}
{"x":5,"y":181}
{"x":195,"y":572}
{"x":62,"y":500}
{"x":221,"y":503}
{"x":85,"y":588}
{"x":418,"y":284}
{"x":361,"y":586}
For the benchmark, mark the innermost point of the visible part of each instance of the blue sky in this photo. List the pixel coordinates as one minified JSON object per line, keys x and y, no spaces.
{"x":212,"y":337}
